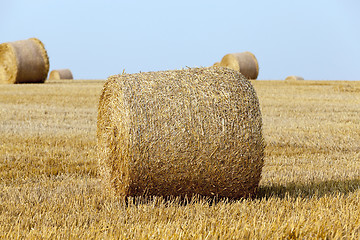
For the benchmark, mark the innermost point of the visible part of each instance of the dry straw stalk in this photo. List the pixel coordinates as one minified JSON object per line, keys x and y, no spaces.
{"x":245,"y":62}
{"x":60,"y":74}
{"x":293,"y":78}
{"x":180,"y":132}
{"x":24,"y":61}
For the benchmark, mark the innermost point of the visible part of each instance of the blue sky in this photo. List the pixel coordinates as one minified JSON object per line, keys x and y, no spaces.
{"x":317,"y":40}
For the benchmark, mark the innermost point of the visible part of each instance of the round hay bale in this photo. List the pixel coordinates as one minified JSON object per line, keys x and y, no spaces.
{"x":60,"y":74}
{"x":24,"y":61}
{"x":294,"y":78}
{"x":180,"y":132}
{"x":217,"y":64}
{"x":245,"y":62}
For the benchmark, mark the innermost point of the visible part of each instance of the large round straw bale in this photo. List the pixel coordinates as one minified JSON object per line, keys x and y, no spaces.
{"x":180,"y":132}
{"x":245,"y":62}
{"x":60,"y":74}
{"x":24,"y":61}
{"x":293,"y":78}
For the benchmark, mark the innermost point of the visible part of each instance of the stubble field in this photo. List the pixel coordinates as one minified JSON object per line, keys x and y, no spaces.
{"x":310,"y":187}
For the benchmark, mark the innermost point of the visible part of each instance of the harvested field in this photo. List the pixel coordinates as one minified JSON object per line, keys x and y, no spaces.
{"x":50,"y":185}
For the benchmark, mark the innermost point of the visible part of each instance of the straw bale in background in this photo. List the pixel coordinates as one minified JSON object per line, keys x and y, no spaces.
{"x":293,"y":78}
{"x":24,"y":61}
{"x":245,"y":62}
{"x":60,"y":74}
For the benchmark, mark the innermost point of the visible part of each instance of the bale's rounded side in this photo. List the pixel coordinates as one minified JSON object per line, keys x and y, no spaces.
{"x":60,"y":74}
{"x":245,"y":62}
{"x":294,"y":78}
{"x":24,"y":61}
{"x":181,"y":132}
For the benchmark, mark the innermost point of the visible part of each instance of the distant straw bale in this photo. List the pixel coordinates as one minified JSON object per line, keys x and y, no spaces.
{"x":60,"y":74}
{"x":180,"y":132}
{"x":245,"y":62}
{"x":293,"y":78}
{"x":217,"y":64}
{"x":24,"y":61}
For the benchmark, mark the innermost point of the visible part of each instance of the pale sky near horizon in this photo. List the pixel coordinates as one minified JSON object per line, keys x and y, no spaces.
{"x":315,"y":39}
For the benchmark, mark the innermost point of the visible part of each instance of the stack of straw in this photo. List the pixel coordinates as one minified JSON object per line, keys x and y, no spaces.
{"x":293,"y":78}
{"x":60,"y":74}
{"x":24,"y":61}
{"x":181,"y":132}
{"x":245,"y":62}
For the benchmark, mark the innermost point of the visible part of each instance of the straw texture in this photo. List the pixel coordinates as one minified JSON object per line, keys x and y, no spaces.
{"x":293,"y":78}
{"x":60,"y":74}
{"x":245,"y":62}
{"x":24,"y":61}
{"x":180,"y":132}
